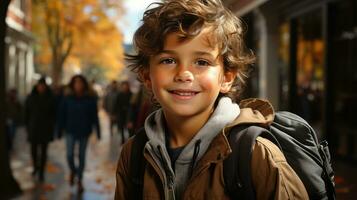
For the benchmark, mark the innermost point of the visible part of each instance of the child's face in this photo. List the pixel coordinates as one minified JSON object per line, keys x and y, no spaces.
{"x":187,"y":76}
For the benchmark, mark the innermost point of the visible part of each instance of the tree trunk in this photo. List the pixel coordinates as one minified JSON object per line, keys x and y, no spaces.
{"x":8,"y":185}
{"x":56,"y":70}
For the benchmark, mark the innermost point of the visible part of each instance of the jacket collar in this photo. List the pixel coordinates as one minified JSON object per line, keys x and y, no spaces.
{"x":253,"y":111}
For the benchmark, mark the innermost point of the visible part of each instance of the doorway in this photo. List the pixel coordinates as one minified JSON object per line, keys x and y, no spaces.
{"x":309,"y":68}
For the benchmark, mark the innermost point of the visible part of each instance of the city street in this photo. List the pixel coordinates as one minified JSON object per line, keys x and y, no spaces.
{"x":99,"y":175}
{"x":61,"y":61}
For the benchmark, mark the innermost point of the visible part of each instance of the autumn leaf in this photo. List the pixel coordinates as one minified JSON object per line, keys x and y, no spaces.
{"x":77,"y":33}
{"x":51,"y":168}
{"x":48,"y":187}
{"x":43,"y":197}
{"x":98,"y":180}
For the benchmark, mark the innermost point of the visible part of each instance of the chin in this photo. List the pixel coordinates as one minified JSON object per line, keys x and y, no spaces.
{"x":183,"y":111}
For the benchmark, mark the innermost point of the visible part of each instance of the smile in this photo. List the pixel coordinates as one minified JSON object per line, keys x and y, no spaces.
{"x":183,"y":94}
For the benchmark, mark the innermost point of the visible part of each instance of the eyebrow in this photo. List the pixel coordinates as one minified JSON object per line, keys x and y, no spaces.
{"x":198,"y":53}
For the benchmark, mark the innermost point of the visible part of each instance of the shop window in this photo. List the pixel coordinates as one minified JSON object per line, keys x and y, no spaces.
{"x":284,"y":61}
{"x":310,"y":68}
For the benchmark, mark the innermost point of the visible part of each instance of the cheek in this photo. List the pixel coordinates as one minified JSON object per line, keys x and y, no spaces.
{"x":210,"y":80}
{"x":158,"y":79}
{"x":155,"y":76}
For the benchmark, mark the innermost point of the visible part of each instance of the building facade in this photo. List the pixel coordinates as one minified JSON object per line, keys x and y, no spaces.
{"x":307,"y":54}
{"x":19,"y":51}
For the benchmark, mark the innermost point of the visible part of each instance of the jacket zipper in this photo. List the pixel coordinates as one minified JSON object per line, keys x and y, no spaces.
{"x":171,"y":191}
{"x":169,"y":177}
{"x":154,"y":162}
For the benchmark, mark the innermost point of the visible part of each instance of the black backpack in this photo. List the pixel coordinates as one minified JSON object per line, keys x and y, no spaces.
{"x":297,"y":140}
{"x":293,"y":135}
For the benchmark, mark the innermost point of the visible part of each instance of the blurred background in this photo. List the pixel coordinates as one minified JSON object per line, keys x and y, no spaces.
{"x":306,"y":63}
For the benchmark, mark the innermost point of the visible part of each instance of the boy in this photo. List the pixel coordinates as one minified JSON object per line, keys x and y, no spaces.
{"x":190,"y":55}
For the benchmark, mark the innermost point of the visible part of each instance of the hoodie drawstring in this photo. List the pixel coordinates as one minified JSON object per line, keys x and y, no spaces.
{"x":195,"y":155}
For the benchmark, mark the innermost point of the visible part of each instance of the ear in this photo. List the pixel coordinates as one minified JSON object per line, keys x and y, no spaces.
{"x":144,"y":75}
{"x":228,"y":80}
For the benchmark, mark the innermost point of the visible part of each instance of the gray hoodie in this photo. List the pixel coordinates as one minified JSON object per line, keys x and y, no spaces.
{"x":174,"y":183}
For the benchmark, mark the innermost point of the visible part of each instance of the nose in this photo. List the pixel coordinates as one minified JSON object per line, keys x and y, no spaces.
{"x":184,"y":75}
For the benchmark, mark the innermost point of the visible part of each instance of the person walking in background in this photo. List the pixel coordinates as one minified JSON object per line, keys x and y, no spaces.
{"x":122,"y":107}
{"x":109,"y":103}
{"x":40,"y":118}
{"x":140,"y":107}
{"x":77,"y":116}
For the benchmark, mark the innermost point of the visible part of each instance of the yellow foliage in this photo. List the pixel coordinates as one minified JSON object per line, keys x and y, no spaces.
{"x":84,"y":24}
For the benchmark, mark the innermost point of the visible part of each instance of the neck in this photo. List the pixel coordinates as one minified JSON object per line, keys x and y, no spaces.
{"x":183,"y":128}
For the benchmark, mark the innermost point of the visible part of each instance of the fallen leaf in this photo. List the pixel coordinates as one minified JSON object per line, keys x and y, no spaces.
{"x":48,"y":187}
{"x":51,"y":168}
{"x":43,"y":197}
{"x":108,"y":187}
{"x":98,"y":180}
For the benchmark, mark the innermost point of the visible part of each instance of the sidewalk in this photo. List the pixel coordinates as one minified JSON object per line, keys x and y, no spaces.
{"x":99,"y":175}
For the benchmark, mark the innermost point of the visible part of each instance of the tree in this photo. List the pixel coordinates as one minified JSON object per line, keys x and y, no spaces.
{"x":94,"y":72}
{"x":8,"y":185}
{"x":76,"y":30}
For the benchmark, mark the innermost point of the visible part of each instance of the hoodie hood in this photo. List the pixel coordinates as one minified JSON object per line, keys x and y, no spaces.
{"x":224,"y":113}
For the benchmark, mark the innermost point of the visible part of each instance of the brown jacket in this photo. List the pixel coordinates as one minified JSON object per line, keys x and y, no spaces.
{"x":272,"y":176}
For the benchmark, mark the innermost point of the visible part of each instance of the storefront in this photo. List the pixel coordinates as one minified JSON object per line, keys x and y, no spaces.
{"x":315,"y":63}
{"x":19,"y":70}
{"x":342,"y":63}
{"x":302,"y":53}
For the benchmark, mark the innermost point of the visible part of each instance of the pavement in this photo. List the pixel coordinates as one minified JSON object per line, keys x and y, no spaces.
{"x":99,"y":175}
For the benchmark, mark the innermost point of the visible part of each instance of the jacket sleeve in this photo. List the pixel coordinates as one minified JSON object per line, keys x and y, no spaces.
{"x":272,"y":176}
{"x":122,"y":174}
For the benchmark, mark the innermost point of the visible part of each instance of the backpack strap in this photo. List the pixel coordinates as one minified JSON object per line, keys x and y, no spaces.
{"x":137,"y":164}
{"x":237,"y":167}
{"x":329,"y":174}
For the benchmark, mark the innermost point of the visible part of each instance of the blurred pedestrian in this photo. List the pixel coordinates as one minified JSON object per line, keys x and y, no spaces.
{"x":77,"y":116}
{"x":40,"y":121}
{"x":95,"y":89}
{"x":109,"y":103}
{"x":140,"y":107}
{"x":13,"y":116}
{"x":122,"y":108}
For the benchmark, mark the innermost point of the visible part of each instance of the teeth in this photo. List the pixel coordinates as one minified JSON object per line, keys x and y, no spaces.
{"x":184,"y":93}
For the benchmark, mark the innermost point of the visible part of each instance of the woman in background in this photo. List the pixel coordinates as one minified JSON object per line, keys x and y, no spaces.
{"x":78,"y":115}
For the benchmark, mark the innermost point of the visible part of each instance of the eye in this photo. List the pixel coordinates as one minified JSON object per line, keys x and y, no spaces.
{"x":202,"y":62}
{"x":167,"y":61}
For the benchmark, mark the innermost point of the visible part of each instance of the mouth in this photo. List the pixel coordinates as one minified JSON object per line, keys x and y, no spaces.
{"x":184,"y":93}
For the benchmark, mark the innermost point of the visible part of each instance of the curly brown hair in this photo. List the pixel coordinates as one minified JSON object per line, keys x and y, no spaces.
{"x":189,"y":18}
